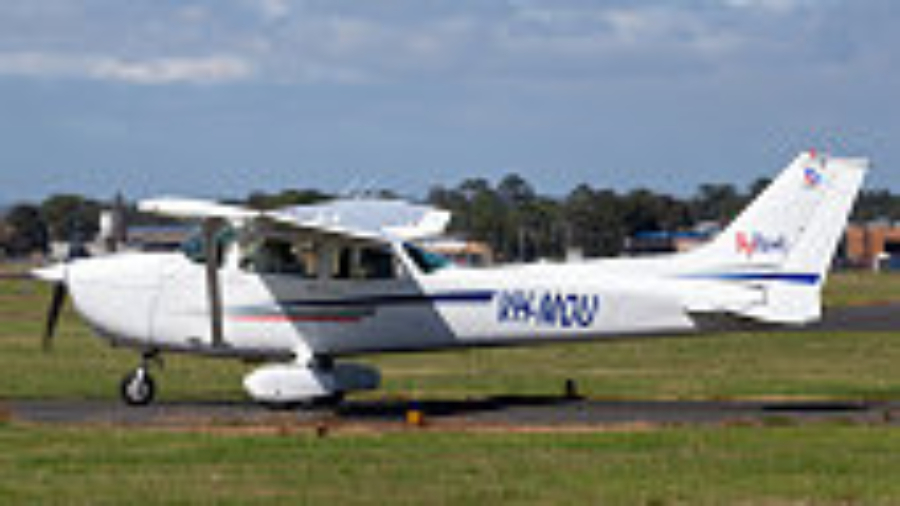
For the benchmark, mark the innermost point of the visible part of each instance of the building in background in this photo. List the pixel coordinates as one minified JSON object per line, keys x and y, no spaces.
{"x":158,"y":238}
{"x":873,"y":245}
{"x":113,"y":229}
{"x":657,"y":242}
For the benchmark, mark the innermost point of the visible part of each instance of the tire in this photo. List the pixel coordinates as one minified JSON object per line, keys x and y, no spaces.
{"x":137,"y":388}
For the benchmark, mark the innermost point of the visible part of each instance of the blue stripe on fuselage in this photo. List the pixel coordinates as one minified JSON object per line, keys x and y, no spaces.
{"x":798,"y":278}
{"x":472,"y":296}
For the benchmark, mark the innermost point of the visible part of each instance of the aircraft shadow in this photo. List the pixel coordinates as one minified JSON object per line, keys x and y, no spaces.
{"x":560,"y":409}
{"x":398,"y":409}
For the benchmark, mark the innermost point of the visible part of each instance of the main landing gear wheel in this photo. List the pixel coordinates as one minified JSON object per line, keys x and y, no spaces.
{"x":138,"y":388}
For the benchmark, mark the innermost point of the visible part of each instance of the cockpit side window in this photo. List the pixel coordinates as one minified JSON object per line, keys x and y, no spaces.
{"x":273,"y":255}
{"x":365,"y":262}
{"x":273,"y":252}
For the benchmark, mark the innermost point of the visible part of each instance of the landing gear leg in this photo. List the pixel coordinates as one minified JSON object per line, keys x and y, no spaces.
{"x":138,"y":387}
{"x":329,"y":401}
{"x":334,"y":399}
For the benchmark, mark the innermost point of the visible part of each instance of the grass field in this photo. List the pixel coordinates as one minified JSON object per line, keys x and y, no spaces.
{"x":821,"y":463}
{"x":854,"y":288}
{"x":829,"y":464}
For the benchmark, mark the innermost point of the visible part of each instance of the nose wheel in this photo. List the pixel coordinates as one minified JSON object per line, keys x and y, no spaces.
{"x":138,"y":387}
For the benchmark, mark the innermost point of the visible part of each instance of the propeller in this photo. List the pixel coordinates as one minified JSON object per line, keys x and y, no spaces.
{"x":60,"y":293}
{"x":57,"y":274}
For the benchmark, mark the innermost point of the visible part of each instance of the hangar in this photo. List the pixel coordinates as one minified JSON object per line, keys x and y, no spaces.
{"x":874,"y":245}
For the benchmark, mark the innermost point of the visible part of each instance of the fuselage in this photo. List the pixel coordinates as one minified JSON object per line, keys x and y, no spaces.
{"x":158,"y":301}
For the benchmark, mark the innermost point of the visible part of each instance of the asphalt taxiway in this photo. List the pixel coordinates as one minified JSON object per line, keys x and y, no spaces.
{"x":520,"y":412}
{"x":868,"y":318}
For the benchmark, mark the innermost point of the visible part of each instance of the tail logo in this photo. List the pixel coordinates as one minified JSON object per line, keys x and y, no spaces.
{"x":812,"y":177}
{"x":757,"y":243}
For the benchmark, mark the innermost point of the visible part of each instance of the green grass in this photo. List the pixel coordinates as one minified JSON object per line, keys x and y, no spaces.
{"x":820,"y":464}
{"x":857,"y":288}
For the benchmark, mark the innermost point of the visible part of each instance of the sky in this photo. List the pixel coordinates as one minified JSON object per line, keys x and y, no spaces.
{"x":218,"y":98}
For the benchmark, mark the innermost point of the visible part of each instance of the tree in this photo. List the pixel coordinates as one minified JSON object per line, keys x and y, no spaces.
{"x":593,"y":221}
{"x":758,"y":186}
{"x":286,"y":198}
{"x":26,"y":231}
{"x":456,"y":203}
{"x":515,"y":191}
{"x":521,"y":217}
{"x":717,"y":202}
{"x":876,"y":205}
{"x":71,"y":217}
{"x":642,"y":212}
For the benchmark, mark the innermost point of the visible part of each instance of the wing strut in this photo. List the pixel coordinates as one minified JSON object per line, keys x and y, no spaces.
{"x":214,"y":256}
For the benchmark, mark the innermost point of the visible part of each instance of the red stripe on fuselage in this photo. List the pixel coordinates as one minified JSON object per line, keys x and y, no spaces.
{"x":296,"y":318}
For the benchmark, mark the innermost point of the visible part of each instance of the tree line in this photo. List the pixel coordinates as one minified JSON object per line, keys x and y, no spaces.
{"x":520,"y":224}
{"x":515,"y":220}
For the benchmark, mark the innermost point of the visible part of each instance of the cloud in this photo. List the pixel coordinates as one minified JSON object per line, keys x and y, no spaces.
{"x":157,"y":71}
{"x":208,"y":70}
{"x":358,"y":43}
{"x":275,"y":9}
{"x":776,"y":6}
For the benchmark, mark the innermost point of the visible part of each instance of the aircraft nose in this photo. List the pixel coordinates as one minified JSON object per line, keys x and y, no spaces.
{"x":115,"y":294}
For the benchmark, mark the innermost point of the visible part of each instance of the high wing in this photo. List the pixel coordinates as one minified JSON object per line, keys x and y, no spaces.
{"x":367,"y":218}
{"x":178,"y":207}
{"x":359,"y":218}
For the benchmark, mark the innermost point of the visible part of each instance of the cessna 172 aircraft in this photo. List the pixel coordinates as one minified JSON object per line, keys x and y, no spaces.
{"x":301,"y":288}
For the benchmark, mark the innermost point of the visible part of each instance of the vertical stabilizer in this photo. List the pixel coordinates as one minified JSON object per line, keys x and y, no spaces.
{"x":785,"y":241}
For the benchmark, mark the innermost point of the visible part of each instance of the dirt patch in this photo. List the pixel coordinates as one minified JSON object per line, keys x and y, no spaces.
{"x":338,"y":428}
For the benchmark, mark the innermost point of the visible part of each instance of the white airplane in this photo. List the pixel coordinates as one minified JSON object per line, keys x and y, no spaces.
{"x":299,"y":288}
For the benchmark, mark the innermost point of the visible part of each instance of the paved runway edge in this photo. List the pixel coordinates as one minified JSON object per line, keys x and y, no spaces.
{"x":515,"y":412}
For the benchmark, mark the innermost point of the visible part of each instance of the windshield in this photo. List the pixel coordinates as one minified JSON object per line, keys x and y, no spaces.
{"x":426,"y":261}
{"x":194,"y":247}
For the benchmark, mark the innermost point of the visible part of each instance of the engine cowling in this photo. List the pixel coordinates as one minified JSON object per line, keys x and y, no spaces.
{"x":289,"y":383}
